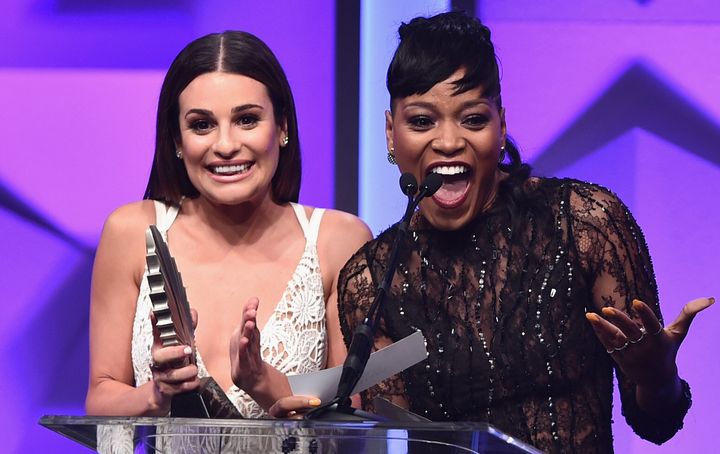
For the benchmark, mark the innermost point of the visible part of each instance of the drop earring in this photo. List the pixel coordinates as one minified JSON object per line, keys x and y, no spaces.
{"x":391,"y":156}
{"x":502,"y":154}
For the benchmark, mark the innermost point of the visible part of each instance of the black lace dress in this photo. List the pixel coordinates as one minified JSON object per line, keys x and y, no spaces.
{"x":502,"y":305}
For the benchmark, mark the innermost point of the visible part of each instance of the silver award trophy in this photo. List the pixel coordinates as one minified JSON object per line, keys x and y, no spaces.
{"x":174,"y":323}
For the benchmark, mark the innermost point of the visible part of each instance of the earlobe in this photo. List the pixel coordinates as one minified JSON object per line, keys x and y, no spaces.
{"x":283,"y":137}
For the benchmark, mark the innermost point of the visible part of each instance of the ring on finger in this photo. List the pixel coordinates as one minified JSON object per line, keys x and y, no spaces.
{"x":643,"y":331}
{"x":617,"y":349}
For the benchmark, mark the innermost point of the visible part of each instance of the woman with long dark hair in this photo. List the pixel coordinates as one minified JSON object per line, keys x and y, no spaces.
{"x":223,"y":191}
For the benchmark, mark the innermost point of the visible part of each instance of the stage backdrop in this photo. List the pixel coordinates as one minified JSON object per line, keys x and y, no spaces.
{"x":623,"y":93}
{"x":619,"y":92}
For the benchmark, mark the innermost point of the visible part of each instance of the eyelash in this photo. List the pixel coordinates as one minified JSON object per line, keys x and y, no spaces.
{"x":420,"y":122}
{"x":201,"y":126}
{"x":247,"y":120}
{"x":476,"y":121}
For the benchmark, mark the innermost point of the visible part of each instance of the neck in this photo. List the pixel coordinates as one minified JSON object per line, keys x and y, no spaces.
{"x":245,"y":222}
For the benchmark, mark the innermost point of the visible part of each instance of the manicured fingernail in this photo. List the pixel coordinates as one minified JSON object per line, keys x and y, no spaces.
{"x":712,"y":300}
{"x":608,"y":310}
{"x":187,"y":350}
{"x":592,"y":316}
{"x":636,"y":302}
{"x":315,"y":402}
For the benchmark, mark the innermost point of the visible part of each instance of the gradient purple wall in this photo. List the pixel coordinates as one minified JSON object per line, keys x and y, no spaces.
{"x":79,"y":81}
{"x":625,"y":93}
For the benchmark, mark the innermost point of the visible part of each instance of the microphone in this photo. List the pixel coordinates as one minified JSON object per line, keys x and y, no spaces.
{"x":431,"y":184}
{"x":408,"y":184}
{"x":363,"y":338}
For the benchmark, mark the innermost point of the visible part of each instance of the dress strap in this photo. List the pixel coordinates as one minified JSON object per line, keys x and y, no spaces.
{"x":164,"y":216}
{"x":310,"y":228}
{"x":314,"y":230}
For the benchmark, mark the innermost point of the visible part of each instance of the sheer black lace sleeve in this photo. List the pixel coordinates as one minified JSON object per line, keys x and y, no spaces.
{"x":615,"y":260}
{"x":356,"y":289}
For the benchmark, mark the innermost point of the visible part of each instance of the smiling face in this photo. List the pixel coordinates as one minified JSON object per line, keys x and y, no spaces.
{"x":229,"y":137}
{"x":457,"y":136}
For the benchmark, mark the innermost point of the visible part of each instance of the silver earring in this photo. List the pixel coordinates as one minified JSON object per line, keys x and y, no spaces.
{"x":178,"y":153}
{"x":502,"y":154}
{"x":285,"y":141}
{"x":391,"y":156}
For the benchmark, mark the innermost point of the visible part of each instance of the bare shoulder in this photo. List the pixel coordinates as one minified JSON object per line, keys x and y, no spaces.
{"x":122,"y":242}
{"x":127,"y":219}
{"x":341,"y":234}
{"x":340,"y":224}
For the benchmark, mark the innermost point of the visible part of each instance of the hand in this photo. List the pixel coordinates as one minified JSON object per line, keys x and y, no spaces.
{"x":644,"y":350}
{"x":247,"y":368}
{"x":171,"y":369}
{"x":293,"y":407}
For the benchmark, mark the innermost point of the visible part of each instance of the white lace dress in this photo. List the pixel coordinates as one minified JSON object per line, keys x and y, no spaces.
{"x":294,"y":340}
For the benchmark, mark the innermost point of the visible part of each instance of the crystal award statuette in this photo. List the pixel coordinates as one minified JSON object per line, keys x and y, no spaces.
{"x":174,"y":323}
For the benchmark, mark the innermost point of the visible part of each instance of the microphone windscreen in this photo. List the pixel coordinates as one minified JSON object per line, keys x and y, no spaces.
{"x":432,"y":183}
{"x":408,"y":184}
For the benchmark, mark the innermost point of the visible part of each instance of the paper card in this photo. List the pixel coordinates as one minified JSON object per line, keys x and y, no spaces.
{"x":382,"y":364}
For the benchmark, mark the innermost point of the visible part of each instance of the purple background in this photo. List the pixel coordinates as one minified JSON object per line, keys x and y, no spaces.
{"x":619,"y":92}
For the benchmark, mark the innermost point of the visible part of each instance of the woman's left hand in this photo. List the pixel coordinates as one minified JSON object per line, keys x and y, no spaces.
{"x":644,"y":350}
{"x":247,"y":368}
{"x":293,"y":407}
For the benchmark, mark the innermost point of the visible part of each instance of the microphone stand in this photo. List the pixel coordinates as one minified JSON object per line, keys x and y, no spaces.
{"x":362,"y":342}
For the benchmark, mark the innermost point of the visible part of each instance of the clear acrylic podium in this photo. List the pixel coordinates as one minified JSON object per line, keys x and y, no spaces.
{"x":172,"y":435}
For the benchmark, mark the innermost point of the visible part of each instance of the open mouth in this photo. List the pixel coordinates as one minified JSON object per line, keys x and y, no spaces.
{"x":229,"y":170}
{"x":456,"y":181}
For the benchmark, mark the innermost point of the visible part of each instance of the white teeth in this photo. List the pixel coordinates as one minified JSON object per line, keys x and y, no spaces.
{"x":225,"y":170}
{"x":449,"y":170}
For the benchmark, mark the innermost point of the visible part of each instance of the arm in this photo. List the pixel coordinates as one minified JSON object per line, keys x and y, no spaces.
{"x":356,"y":290}
{"x":615,"y":258}
{"x":118,"y":269}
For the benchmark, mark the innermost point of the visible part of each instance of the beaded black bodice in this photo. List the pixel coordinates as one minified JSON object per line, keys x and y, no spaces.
{"x":502,"y":305}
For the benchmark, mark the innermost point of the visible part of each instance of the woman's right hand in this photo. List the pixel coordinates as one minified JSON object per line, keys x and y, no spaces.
{"x":172,"y":372}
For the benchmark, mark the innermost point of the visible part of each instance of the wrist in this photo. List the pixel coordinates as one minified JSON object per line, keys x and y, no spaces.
{"x":659,"y":396}
{"x":157,"y":404}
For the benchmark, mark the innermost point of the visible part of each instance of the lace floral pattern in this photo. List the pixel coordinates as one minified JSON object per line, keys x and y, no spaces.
{"x":502,"y":305}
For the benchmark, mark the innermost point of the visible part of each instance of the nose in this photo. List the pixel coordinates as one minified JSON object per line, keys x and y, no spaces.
{"x":225,"y":145}
{"x":449,"y":140}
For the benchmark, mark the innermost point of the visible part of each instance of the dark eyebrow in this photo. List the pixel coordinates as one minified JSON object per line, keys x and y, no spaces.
{"x":204,"y":112}
{"x":244,"y":107}
{"x":474,"y":103}
{"x":234,"y":110}
{"x":422,"y":104}
{"x":463,"y":106}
